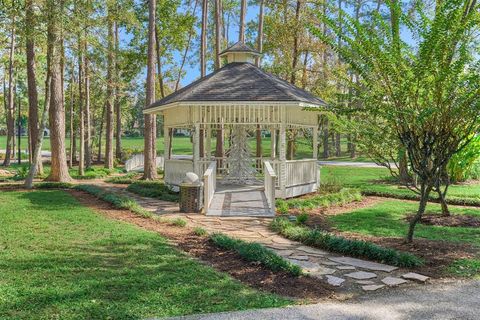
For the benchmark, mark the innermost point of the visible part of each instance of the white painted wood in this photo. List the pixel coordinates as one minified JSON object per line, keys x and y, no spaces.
{"x":273,"y":142}
{"x":196,"y":148}
{"x":166,"y":142}
{"x":315,"y":142}
{"x":282,"y":161}
{"x":209,"y":184}
{"x":176,"y":169}
{"x":136,"y":162}
{"x":270,"y":185}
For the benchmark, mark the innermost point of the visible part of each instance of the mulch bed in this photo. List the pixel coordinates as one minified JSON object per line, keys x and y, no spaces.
{"x":252,"y":274}
{"x":456,"y":220}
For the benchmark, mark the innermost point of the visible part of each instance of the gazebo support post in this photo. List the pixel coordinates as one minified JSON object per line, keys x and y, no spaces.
{"x":167,"y":142}
{"x":196,"y":148}
{"x":273,"y":142}
{"x":209,"y":142}
{"x":283,"y":161}
{"x":315,"y":142}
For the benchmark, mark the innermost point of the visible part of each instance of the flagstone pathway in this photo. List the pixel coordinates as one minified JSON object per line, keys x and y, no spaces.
{"x":340,"y":271}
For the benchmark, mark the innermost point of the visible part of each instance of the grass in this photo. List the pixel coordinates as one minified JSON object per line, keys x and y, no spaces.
{"x":319,"y":200}
{"x":60,"y":260}
{"x":153,"y":189}
{"x":355,"y":248}
{"x":375,"y":181}
{"x":255,"y":252}
{"x":387,"y":219}
{"x":124,"y":179}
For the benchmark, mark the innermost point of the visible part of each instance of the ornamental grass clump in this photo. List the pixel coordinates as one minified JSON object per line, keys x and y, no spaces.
{"x":252,"y":251}
{"x":333,"y":243}
{"x":153,"y":189}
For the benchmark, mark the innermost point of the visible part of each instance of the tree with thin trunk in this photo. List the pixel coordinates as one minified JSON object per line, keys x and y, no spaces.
{"x":150,"y":167}
{"x":110,"y":90}
{"x":81,"y":154}
{"x":118,"y":110}
{"x":219,"y":148}
{"x":73,"y":138}
{"x":203,"y":39}
{"x":59,"y":169}
{"x":258,"y":60}
{"x":11,"y":98}
{"x":243,"y":13}
{"x":88,"y":130}
{"x":33,"y":120}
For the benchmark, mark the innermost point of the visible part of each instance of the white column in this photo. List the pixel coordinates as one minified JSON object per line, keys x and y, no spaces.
{"x":209,"y":142}
{"x":196,"y":148}
{"x":273,"y":142}
{"x":166,"y":143}
{"x":283,"y":161}
{"x":315,"y":142}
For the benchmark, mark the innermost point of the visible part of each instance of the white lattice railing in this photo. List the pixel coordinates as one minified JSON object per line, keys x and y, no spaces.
{"x":209,"y":184}
{"x":137,"y":162}
{"x":176,"y":169}
{"x":301,"y":172}
{"x":270,"y":185}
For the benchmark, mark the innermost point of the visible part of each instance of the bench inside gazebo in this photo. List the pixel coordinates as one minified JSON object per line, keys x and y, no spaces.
{"x":240,"y":98}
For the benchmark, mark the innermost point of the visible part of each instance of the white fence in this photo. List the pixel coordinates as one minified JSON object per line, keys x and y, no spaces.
{"x":209,"y":184}
{"x":175,"y":170}
{"x":136,"y":162}
{"x":270,"y":178}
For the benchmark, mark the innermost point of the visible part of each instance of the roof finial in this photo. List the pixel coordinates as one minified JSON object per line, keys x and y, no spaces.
{"x":240,"y":52}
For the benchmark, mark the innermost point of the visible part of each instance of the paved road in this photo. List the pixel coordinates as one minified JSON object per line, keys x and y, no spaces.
{"x":446,"y":300}
{"x":350,"y":164}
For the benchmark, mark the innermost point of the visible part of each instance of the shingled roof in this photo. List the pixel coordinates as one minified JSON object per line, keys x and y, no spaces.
{"x":240,"y":81}
{"x":240,"y":47}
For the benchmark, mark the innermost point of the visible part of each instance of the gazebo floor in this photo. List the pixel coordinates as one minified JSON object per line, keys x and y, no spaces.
{"x":239,"y":201}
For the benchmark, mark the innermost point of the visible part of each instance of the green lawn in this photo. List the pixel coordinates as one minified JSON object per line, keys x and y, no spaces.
{"x":386,"y":219}
{"x":60,"y":260}
{"x":374,"y":179}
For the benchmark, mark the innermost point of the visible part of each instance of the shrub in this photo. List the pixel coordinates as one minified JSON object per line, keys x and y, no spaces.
{"x":153,"y":189}
{"x":333,"y":243}
{"x":319,"y":200}
{"x":179,"y":222}
{"x":302,"y":218}
{"x":53,"y":185}
{"x":199,"y":231}
{"x":21,"y":173}
{"x":255,"y":252}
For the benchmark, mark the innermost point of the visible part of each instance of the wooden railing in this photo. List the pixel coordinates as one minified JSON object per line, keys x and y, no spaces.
{"x":270,"y":185}
{"x":137,"y":162}
{"x":209,"y":184}
{"x":301,"y":172}
{"x":176,"y":169}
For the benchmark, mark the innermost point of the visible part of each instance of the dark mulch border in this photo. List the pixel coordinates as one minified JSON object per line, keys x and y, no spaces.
{"x":252,"y":274}
{"x":454,"y":220}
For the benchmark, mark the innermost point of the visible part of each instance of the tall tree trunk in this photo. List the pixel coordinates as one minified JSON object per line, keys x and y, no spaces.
{"x":72,"y":151}
{"x":326,"y":143}
{"x":159,"y":63}
{"x":243,"y":13}
{"x":218,"y":34}
{"x":81,"y":154}
{"x":338,"y":144}
{"x":88,"y":130}
{"x":424,"y":194}
{"x":203,"y":39}
{"x":150,"y":167}
{"x":304,"y":71}
{"x":118,"y":110}
{"x":59,"y":170}
{"x":110,"y":93}
{"x":185,"y":52}
{"x":296,"y":36}
{"x":100,"y":133}
{"x":33,"y":120}
{"x":10,"y":109}
{"x":258,"y":60}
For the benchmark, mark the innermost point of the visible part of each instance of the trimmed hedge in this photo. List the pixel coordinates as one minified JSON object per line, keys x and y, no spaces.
{"x":455,"y":201}
{"x":355,"y":248}
{"x":344,"y":196}
{"x":252,"y":251}
{"x":154,"y":189}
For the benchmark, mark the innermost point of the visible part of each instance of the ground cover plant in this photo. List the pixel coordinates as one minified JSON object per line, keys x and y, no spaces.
{"x":61,"y":260}
{"x":390,"y":219}
{"x":318,"y":200}
{"x":153,"y":189}
{"x":124,"y":179}
{"x":333,"y":243}
{"x":256,"y":252}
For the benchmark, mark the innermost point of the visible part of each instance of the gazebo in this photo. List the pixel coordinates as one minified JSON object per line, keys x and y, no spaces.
{"x":242,"y":98}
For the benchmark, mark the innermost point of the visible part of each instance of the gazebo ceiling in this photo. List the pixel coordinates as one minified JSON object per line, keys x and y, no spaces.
{"x":238,"y":82}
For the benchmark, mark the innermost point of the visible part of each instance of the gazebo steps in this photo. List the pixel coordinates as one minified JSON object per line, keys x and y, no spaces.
{"x":238,"y":201}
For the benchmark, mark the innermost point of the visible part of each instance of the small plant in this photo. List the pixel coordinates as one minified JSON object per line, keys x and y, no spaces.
{"x":179,"y":222}
{"x":302,"y":218}
{"x":129,"y":178}
{"x":199,"y":231}
{"x":21,"y":173}
{"x":282,"y":206}
{"x":333,"y":243}
{"x":153,"y":189}
{"x":252,"y":251}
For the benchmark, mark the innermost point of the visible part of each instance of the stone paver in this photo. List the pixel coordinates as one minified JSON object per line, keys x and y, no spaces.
{"x":334,"y":281}
{"x":372,"y":287}
{"x":415,"y":276}
{"x":361,"y":275}
{"x":364,"y":264}
{"x":393,"y":281}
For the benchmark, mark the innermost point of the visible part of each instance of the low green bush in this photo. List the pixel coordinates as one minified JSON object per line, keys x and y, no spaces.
{"x":333,"y":243}
{"x":118,"y":201}
{"x":179,"y":222}
{"x":53,"y":185}
{"x":93,"y":173}
{"x":252,"y":251}
{"x":129,"y":178}
{"x":199,"y":231}
{"x":153,"y":189}
{"x":320,"y":200}
{"x":302,"y":218}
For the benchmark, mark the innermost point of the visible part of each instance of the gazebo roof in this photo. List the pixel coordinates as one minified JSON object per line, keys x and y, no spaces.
{"x":239,"y":82}
{"x":240,"y":47}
